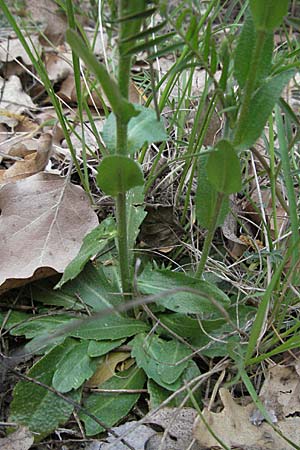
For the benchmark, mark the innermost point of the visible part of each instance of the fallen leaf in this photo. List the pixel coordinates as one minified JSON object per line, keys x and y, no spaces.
{"x":234,"y":428}
{"x":281,"y":389}
{"x":51,"y":18}
{"x":22,"y":439}
{"x":34,"y":161}
{"x":14,"y":101}
{"x":136,"y":435}
{"x":108,"y":367}
{"x":229,"y":229}
{"x":59,"y":64}
{"x":178,"y":423}
{"x":159,"y":229}
{"x":89,"y":137}
{"x":12,"y":49}
{"x":43,"y":221}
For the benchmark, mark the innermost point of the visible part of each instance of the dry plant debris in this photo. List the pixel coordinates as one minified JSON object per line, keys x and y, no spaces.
{"x":22,"y":439}
{"x":43,"y":222}
{"x":14,"y":101}
{"x":243,"y":427}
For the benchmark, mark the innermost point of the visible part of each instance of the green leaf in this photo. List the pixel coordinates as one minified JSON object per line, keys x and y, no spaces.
{"x":110,"y":327}
{"x":37,"y":326}
{"x":159,"y":281}
{"x":117,"y":174}
{"x":94,"y":289}
{"x":268,"y":14}
{"x":121,"y":107}
{"x":261,"y":106}
{"x":109,"y":407}
{"x":243,"y":58}
{"x":206,"y":198}
{"x":75,"y":368}
{"x":158,"y":394}
{"x":223,"y":168}
{"x":13,"y":318}
{"x":208,"y":335}
{"x":99,"y":348}
{"x":93,"y":243}
{"x":191,"y":329}
{"x":143,"y":129}
{"x":37,"y":408}
{"x":43,"y":291}
{"x":160,"y":359}
{"x":244,"y":51}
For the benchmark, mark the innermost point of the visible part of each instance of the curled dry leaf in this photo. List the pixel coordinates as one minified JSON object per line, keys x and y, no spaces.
{"x":113,"y":362}
{"x":234,"y":427}
{"x":59,"y":64}
{"x":12,"y":49}
{"x":14,"y":101}
{"x":35,"y":160}
{"x":43,"y":221}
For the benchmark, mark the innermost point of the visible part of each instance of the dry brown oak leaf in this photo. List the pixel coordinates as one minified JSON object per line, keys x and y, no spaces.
{"x":43,"y":221}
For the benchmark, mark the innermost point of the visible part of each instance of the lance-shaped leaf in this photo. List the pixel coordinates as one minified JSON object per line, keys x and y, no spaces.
{"x":36,"y":407}
{"x":223,"y":168}
{"x":111,"y":407}
{"x":268,"y":14}
{"x":203,"y":300}
{"x":93,"y":243}
{"x":118,"y":174}
{"x":75,"y":368}
{"x":244,"y":53}
{"x":206,"y":198}
{"x":261,"y":106}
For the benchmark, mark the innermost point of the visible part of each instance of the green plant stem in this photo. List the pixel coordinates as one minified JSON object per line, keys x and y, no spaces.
{"x":209,"y":236}
{"x":250,"y":86}
{"x":121,"y":215}
{"x":291,"y":195}
{"x":124,"y":66}
{"x":273,"y":175}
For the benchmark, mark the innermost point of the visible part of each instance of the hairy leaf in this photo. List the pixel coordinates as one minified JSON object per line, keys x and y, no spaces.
{"x":109,"y":407}
{"x":118,"y":174}
{"x":36,"y":407}
{"x":75,"y":368}
{"x":93,"y":243}
{"x":206,"y":198}
{"x":159,"y":281}
{"x":158,"y":394}
{"x":244,"y":53}
{"x":93,"y":288}
{"x":223,"y":168}
{"x":111,"y":327}
{"x":268,"y":14}
{"x":261,"y":106}
{"x":99,"y":348}
{"x":143,"y":129}
{"x":160,"y":359}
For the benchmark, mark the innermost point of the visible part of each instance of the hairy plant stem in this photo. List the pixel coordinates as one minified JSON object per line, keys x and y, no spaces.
{"x":124,"y":65}
{"x":209,"y":236}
